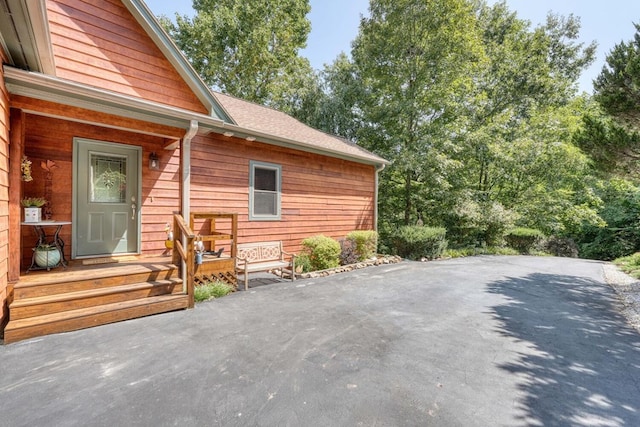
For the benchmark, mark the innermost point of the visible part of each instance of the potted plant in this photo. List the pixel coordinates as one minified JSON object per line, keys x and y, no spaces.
{"x":46,"y":255}
{"x":33,"y":208}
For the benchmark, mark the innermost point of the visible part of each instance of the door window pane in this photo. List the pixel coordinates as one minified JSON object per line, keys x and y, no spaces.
{"x":108,"y":180}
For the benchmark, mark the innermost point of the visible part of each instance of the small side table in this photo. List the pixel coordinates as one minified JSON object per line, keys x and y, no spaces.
{"x":44,"y":238}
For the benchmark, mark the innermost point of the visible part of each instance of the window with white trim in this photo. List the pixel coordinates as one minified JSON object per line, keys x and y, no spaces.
{"x":264,"y":191}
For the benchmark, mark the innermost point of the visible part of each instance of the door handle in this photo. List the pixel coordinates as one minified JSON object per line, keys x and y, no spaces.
{"x":133,"y":211}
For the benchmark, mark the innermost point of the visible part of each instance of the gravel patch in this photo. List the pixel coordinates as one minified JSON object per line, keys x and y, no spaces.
{"x":628,"y":290}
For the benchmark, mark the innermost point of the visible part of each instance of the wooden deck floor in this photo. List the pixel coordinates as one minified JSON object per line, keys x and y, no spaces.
{"x":77,"y":270}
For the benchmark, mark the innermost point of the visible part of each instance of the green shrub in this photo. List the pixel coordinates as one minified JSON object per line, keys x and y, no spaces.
{"x":364,"y":243}
{"x":348,"y":254}
{"x":214,"y":289}
{"x":303,"y":263}
{"x":629,"y":264}
{"x":483,"y":250}
{"x":619,"y":235}
{"x":416,"y":242}
{"x":561,"y":246}
{"x":323,"y":252}
{"x":477,"y":223}
{"x":523,"y":239}
{"x":460,"y":252}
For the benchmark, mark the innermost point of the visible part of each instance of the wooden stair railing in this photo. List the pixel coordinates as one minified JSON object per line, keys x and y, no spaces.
{"x":184,"y":254}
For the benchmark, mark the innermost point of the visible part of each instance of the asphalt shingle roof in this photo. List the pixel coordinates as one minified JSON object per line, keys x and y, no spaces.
{"x":269,"y":121}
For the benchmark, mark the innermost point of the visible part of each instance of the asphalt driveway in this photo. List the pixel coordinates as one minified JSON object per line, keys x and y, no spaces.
{"x":486,"y":341}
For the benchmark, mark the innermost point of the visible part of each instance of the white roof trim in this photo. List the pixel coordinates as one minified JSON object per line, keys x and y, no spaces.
{"x":40,"y":26}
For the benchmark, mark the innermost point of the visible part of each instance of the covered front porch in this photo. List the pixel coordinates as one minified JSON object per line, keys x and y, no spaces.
{"x":117,"y":210}
{"x":98,"y":291}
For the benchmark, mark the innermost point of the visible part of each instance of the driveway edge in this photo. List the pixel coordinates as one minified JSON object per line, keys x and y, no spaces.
{"x":628,"y":290}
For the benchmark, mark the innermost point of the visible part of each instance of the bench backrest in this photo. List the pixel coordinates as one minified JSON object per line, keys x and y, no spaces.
{"x":261,"y":251}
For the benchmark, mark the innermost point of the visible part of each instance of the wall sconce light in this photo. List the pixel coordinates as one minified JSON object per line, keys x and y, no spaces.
{"x":154,"y":163}
{"x":228,"y":134}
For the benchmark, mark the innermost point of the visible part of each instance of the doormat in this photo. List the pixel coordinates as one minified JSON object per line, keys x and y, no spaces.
{"x":106,"y":260}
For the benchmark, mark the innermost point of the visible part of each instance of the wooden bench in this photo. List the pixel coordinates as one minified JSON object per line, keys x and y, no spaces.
{"x":263,"y":256}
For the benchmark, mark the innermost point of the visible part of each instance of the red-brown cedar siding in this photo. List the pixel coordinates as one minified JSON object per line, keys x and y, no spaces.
{"x":320,"y":194}
{"x":99,"y":43}
{"x":4,"y":195}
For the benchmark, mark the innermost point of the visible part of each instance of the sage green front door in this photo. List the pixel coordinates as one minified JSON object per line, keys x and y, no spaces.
{"x":106,"y":211}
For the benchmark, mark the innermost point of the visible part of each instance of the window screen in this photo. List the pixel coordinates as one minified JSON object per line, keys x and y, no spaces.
{"x":265,"y":191}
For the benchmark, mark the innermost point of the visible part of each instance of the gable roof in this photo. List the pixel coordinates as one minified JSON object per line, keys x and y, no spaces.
{"x":265,"y":120}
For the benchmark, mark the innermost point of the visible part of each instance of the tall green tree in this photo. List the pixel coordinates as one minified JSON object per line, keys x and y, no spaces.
{"x":249,"y":49}
{"x":334,"y":104}
{"x":614,"y":148}
{"x":611,"y":134}
{"x":617,"y":88}
{"x":414,"y":58}
{"x":514,"y":143}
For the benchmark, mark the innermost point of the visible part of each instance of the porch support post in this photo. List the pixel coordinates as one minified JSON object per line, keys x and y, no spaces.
{"x":185,"y":199}
{"x":185,"y":155}
{"x":16,"y":151}
{"x":375,"y":197}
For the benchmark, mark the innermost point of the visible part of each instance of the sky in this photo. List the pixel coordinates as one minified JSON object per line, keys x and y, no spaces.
{"x":334,"y":24}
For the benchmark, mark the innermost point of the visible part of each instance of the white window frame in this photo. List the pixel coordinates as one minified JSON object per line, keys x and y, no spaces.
{"x":253,"y":165}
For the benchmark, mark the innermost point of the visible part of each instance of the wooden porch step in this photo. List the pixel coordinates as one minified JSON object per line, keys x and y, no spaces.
{"x":75,"y":280}
{"x":42,"y":305}
{"x":88,"y":317}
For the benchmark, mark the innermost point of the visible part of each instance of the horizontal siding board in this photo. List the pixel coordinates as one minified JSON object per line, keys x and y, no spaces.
{"x":320,"y":195}
{"x":99,"y":43}
{"x":120,"y":69}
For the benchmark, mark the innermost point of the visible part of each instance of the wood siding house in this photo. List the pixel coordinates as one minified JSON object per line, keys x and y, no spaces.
{"x":98,"y":88}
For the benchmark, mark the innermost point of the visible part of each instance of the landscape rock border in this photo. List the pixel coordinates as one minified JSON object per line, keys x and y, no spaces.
{"x":380,"y":260}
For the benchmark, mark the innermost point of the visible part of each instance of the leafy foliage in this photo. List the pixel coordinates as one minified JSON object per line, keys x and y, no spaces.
{"x":248,"y":49}
{"x":614,"y":149}
{"x":417,"y":242}
{"x":323,"y":252}
{"x":365,"y":243}
{"x":617,"y":88}
{"x":303,"y":263}
{"x":620,"y":234}
{"x":473,"y":251}
{"x":348,"y":254}
{"x":478,"y":224}
{"x":214,"y":289}
{"x":523,"y":239}
{"x":561,"y":246}
{"x":482,"y":141}
{"x":475,"y":108}
{"x":412,"y":58}
{"x":33,"y":202}
{"x":630,"y":264}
